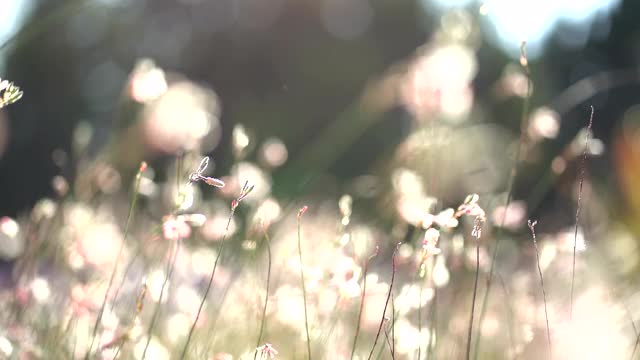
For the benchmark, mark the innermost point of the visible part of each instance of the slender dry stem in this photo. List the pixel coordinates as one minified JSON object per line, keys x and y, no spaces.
{"x":523,"y":120}
{"x":386,"y":335}
{"x":575,"y":233}
{"x":389,"y":294}
{"x":206,"y":292}
{"x":173,"y":256}
{"x":364,"y":294}
{"x":266,"y":296}
{"x":132,"y":206}
{"x":532,"y":226}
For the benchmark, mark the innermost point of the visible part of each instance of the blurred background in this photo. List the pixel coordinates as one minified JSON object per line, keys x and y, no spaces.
{"x":375,"y":111}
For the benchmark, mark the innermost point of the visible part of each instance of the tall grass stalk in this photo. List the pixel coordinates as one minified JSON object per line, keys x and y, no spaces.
{"x":389,"y":294}
{"x":114,"y":271}
{"x":362,"y":300}
{"x":266,"y":296}
{"x":532,"y":226}
{"x":524,"y":62}
{"x":304,"y":289}
{"x":173,"y":256}
{"x":393,"y":325}
{"x":575,"y":233}
{"x":208,"y":289}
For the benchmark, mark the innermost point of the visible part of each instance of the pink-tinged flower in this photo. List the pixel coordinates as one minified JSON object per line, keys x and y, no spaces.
{"x":470,"y":207}
{"x":267,"y":350}
{"x":174,"y":228}
{"x":244,"y":192}
{"x":302,"y":211}
{"x":430,"y":241}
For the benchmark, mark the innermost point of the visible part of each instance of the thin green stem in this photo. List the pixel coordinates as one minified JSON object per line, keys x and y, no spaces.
{"x":132,"y":206}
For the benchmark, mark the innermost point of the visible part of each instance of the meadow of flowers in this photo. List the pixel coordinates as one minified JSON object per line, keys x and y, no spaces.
{"x":151,"y":251}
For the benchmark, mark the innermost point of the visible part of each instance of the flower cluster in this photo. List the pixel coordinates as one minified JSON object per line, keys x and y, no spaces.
{"x":267,"y":350}
{"x":470,"y":207}
{"x":448,"y":219}
{"x":9,"y":93}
